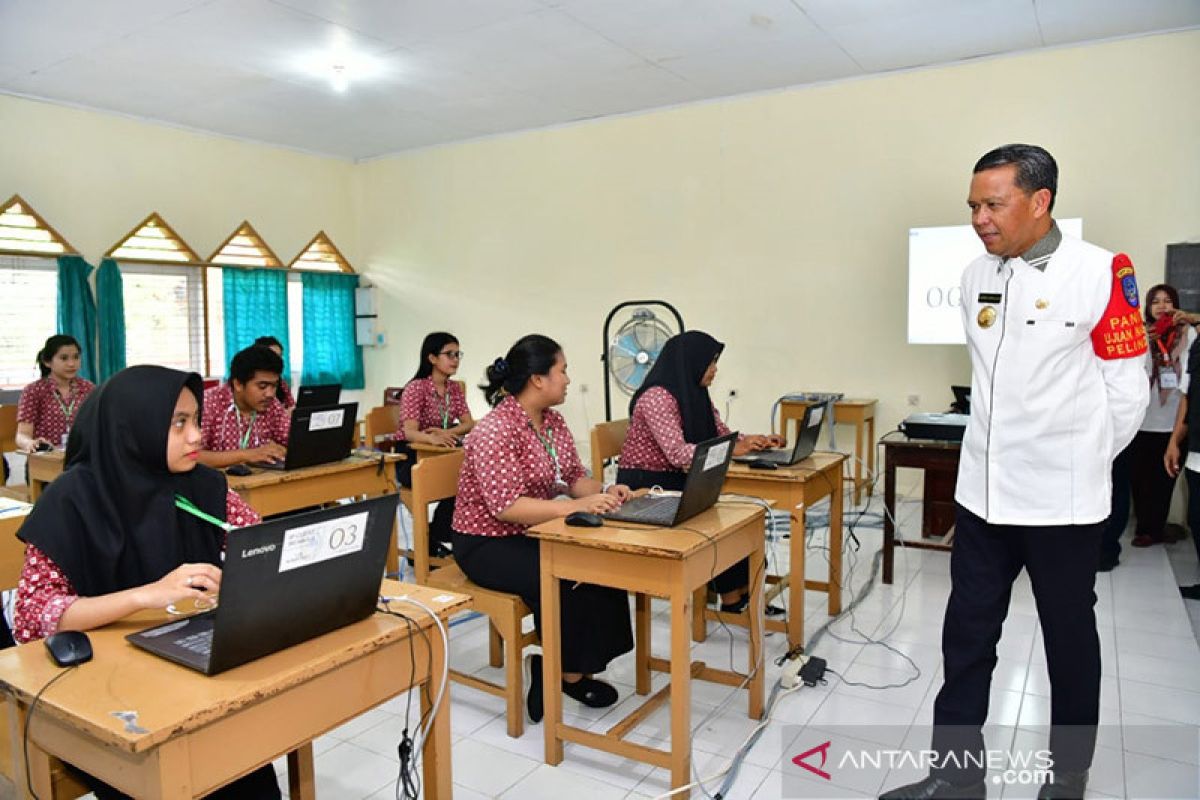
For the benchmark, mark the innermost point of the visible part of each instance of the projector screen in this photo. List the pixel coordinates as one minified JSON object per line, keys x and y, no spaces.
{"x":936,"y":259}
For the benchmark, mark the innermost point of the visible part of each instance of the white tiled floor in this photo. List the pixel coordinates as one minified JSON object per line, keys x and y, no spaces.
{"x":1151,"y":674}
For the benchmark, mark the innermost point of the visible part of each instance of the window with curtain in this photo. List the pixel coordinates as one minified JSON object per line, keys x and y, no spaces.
{"x":331,"y":354}
{"x":77,"y":310}
{"x":110,"y":319}
{"x":28,"y":315}
{"x":255,"y":303}
{"x":164,"y":315}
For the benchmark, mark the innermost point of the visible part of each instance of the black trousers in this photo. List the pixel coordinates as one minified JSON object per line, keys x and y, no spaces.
{"x":737,"y":576}
{"x":1152,"y":486}
{"x":1061,"y":561}
{"x":1193,"y":513}
{"x":1118,"y":518}
{"x":594,"y":619}
{"x":443,"y":512}
{"x":258,"y":785}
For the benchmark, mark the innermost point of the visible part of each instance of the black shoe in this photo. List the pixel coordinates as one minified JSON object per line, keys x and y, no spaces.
{"x":935,"y":787}
{"x":591,"y":692}
{"x":533,"y":699}
{"x":774,"y":611}
{"x":439,"y":550}
{"x":1064,"y":786}
{"x":1190,"y":592}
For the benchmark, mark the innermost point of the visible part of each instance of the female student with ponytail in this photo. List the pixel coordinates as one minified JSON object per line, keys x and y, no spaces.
{"x":433,"y":410}
{"x":521,"y":469}
{"x":133,"y":523}
{"x":48,"y":406}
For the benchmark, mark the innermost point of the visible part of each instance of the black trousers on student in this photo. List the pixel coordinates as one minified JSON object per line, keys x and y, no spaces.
{"x":258,"y":785}
{"x":594,"y":619}
{"x":1152,"y":486}
{"x":443,"y":512}
{"x":1193,"y":513}
{"x":737,"y":576}
{"x":1061,"y":561}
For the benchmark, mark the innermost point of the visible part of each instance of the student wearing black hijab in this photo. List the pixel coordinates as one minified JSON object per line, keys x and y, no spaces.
{"x":134,"y":522}
{"x":670,"y":413}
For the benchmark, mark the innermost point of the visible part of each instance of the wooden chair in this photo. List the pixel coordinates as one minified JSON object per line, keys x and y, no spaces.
{"x":436,"y":479}
{"x":380,"y":422}
{"x":607,"y":440}
{"x":8,"y":429}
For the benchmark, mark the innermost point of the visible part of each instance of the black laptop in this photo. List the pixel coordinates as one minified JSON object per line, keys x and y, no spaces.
{"x":319,"y":435}
{"x":806,"y":441}
{"x":321,"y":394}
{"x":962,"y":399}
{"x":284,"y":582}
{"x":710,"y":462}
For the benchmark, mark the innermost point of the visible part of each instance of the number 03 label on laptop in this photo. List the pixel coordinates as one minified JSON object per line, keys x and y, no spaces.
{"x":322,"y":541}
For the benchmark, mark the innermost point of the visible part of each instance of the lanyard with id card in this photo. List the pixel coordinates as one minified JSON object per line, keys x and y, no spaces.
{"x":547,"y":441}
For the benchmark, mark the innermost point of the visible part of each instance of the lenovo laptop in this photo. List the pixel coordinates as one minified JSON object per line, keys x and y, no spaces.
{"x":284,"y":582}
{"x":710,"y":462}
{"x":321,"y":394}
{"x":806,"y":441}
{"x":319,"y":435}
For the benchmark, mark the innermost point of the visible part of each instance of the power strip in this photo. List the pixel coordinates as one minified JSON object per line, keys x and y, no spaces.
{"x":809,"y":670}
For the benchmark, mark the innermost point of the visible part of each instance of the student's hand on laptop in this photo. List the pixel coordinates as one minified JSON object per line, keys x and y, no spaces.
{"x":749,"y":444}
{"x":775,"y":440}
{"x":596,"y":503}
{"x":441,"y":437}
{"x":187,"y":582}
{"x":620,"y":491}
{"x":271,"y":451}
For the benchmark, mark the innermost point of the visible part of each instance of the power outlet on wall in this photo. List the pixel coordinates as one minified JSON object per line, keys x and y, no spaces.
{"x":914,"y":400}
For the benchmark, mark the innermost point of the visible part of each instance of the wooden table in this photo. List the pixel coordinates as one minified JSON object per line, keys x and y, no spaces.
{"x":12,"y":550}
{"x":860,"y":414}
{"x":198,"y":733}
{"x":43,"y":468}
{"x":940,"y":461}
{"x":651,"y":562}
{"x":796,"y":488}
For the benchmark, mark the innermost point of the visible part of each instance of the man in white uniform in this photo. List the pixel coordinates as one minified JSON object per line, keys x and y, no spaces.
{"x":1058,"y":389}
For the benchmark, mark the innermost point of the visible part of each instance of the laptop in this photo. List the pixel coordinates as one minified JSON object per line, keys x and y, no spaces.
{"x":806,"y":442}
{"x":321,"y":394}
{"x":962,"y":399}
{"x":319,"y":435}
{"x":710,"y":462}
{"x":284,"y":582}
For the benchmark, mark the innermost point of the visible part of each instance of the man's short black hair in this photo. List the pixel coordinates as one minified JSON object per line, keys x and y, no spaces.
{"x":254,"y":358}
{"x":269,"y":341}
{"x":1036,"y":168}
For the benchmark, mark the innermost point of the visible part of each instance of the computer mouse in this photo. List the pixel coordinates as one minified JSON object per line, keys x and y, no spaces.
{"x":241,"y":470}
{"x":585,"y":519}
{"x":69,"y":648}
{"x":43,"y":447}
{"x":762,"y":464}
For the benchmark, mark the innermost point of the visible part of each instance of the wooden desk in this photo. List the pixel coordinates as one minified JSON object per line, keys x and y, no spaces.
{"x":940,"y":462}
{"x":425,"y":450}
{"x":797,"y":488}
{"x":656,"y":562}
{"x":199,"y":733}
{"x":860,"y":414}
{"x":43,"y":468}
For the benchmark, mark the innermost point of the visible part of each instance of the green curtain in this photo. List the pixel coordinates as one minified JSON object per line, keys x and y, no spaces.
{"x":331,"y":354}
{"x":77,"y":310}
{"x":256,"y":304}
{"x":110,"y":322}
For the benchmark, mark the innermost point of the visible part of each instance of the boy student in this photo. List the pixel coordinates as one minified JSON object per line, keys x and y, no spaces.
{"x":243,"y":420}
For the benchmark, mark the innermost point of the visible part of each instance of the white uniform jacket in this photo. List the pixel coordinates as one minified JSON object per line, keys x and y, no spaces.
{"x":1047,"y":414}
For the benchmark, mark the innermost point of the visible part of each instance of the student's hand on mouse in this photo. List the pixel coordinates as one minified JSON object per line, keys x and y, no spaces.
{"x":271,"y":451}
{"x":619,"y":491}
{"x":39,"y":445}
{"x":596,"y":503}
{"x":186,"y":582}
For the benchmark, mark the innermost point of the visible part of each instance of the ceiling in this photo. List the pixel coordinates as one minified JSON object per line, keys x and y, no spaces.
{"x":449,"y":70}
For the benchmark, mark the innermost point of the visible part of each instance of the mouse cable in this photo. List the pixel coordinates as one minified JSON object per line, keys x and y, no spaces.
{"x":29,"y":716}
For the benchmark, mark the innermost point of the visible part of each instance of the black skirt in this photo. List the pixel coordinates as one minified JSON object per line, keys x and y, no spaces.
{"x":594,"y":619}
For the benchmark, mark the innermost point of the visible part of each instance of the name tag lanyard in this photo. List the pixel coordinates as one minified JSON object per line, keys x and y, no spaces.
{"x":446,"y":410}
{"x":243,"y":438}
{"x":548,"y":445}
{"x":184,"y":504}
{"x":1167,"y":378}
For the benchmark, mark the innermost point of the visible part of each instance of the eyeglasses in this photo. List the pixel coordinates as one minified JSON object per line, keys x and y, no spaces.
{"x":455,"y":354}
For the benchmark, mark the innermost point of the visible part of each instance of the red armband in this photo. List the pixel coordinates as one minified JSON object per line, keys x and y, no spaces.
{"x":1121,"y":333}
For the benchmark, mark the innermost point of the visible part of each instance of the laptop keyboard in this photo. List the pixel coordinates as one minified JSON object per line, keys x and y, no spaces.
{"x":650,"y":509}
{"x":198,"y":643}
